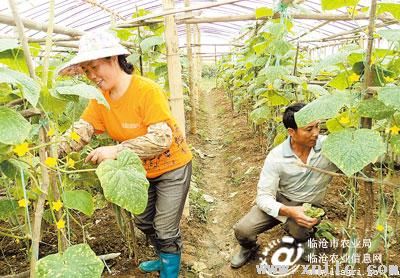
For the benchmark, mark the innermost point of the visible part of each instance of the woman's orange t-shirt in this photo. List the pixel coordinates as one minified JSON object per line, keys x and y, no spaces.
{"x":143,"y":104}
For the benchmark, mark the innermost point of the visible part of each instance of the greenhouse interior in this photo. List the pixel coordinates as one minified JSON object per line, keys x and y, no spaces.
{"x":199,"y":138}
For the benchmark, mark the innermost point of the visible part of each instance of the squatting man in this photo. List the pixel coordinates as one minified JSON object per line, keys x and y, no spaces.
{"x":283,"y":187}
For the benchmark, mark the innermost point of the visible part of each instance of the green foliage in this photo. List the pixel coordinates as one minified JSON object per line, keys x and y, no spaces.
{"x":260,"y":115}
{"x":313,"y":212}
{"x":336,"y":4}
{"x":77,"y":261}
{"x":324,"y":107}
{"x":390,"y":96}
{"x":208,"y":71}
{"x":6,"y":44}
{"x":395,"y":144}
{"x":375,"y":109}
{"x":392,"y":8}
{"x":82,"y":90}
{"x":16,"y":132}
{"x":325,"y":229}
{"x":361,"y":147}
{"x":8,"y":208}
{"x":80,"y":200}
{"x":264,"y":12}
{"x":29,"y":87}
{"x":124,"y":181}
{"x":390,"y":35}
{"x":150,"y":42}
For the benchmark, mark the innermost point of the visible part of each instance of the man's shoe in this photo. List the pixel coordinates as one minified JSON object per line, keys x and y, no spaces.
{"x":239,"y":259}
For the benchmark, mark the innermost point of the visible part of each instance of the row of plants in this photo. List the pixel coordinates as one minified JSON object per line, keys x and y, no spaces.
{"x":36,"y":183}
{"x":269,"y":72}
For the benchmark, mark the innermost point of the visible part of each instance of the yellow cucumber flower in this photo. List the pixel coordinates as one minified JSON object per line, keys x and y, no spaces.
{"x":51,"y":161}
{"x":21,"y":149}
{"x":60,"y":224}
{"x":75,"y":136}
{"x":57,"y":205}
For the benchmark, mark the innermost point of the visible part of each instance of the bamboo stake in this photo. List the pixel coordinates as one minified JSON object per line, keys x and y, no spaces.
{"x":198,"y":71}
{"x":193,"y":116}
{"x":48,"y":44}
{"x":367,"y":122}
{"x":174,"y":68}
{"x":22,"y":38}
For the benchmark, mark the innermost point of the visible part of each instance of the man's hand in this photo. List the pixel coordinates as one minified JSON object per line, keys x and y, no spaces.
{"x":297,"y":214}
{"x":102,"y":153}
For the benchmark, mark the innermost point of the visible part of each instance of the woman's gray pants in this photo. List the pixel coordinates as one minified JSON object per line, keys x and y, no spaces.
{"x":161,"y":218}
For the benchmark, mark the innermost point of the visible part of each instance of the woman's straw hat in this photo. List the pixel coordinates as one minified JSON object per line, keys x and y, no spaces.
{"x":93,"y":45}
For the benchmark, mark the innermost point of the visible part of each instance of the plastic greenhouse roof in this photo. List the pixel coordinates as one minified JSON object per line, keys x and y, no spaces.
{"x":87,"y":15}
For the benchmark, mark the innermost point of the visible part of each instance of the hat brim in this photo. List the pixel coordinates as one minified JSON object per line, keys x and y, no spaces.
{"x":73,"y":66}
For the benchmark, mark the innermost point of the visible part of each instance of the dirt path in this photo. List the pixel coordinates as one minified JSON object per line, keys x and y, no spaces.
{"x":209,"y":246}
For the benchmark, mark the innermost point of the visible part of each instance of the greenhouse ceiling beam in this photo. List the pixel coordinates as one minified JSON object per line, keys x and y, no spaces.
{"x":383,"y":24}
{"x":214,"y":44}
{"x":311,"y":30}
{"x":332,"y":39}
{"x":197,"y":20}
{"x":328,"y":17}
{"x":175,"y":11}
{"x":30,"y":24}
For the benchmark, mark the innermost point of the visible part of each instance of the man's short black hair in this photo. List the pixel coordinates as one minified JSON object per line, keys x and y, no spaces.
{"x":288,"y":115}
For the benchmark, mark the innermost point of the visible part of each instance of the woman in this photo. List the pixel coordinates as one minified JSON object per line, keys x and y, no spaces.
{"x":140,"y":120}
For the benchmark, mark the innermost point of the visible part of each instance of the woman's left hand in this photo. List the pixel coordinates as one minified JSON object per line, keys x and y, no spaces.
{"x":102,"y":153}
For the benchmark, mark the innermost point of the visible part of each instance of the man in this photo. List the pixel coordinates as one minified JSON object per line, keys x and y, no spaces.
{"x":284,"y":186}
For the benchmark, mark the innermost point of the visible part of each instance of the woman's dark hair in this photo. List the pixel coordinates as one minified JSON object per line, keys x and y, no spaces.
{"x":288,"y":115}
{"x":124,"y":64}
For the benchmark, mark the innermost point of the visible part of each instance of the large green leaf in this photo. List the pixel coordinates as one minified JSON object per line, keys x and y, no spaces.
{"x":133,"y":58}
{"x":263,"y":12}
{"x":390,"y":96}
{"x":124,"y":181}
{"x":340,"y":81}
{"x":336,"y":4}
{"x":6,"y":44}
{"x":276,"y":99}
{"x":273,"y":72}
{"x":14,"y":59}
{"x":259,"y":48}
{"x":390,"y":35}
{"x":392,"y":8}
{"x":14,"y":129}
{"x":83,"y":90}
{"x":78,"y":261}
{"x":375,"y":109}
{"x":80,"y":200}
{"x":150,"y":42}
{"x":7,"y":208}
{"x":317,"y":90}
{"x":352,"y":150}
{"x":260,"y":115}
{"x":334,"y":59}
{"x":30,"y":88}
{"x":324,"y":107}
